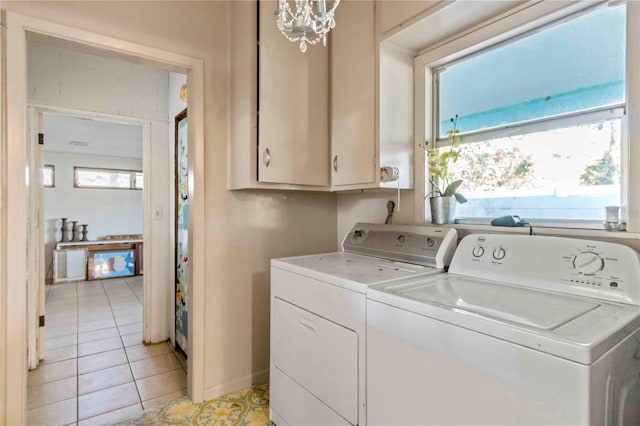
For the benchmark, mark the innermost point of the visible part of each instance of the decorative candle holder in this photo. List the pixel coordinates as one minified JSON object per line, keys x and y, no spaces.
{"x":74,"y":231}
{"x":84,"y":232}
{"x":65,"y":233}
{"x":612,"y":223}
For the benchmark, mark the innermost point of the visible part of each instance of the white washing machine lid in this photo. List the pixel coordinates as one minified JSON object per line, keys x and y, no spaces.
{"x":503,"y":303}
{"x":572,"y":327}
{"x":352,"y":271}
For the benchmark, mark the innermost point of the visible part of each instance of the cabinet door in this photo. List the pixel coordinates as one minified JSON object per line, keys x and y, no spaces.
{"x":293,"y":127}
{"x":353,"y":55}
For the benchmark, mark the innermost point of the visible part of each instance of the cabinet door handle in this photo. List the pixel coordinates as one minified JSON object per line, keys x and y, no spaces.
{"x":267,"y":157}
{"x":309,"y":325}
{"x":335,"y":163}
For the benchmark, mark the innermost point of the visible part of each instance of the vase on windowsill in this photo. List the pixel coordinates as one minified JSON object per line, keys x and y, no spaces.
{"x":444,"y":193}
{"x":443,"y":210}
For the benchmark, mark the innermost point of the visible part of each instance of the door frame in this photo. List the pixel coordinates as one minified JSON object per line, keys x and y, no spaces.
{"x":13,"y":336}
{"x":35,"y":244}
{"x":152,"y":329}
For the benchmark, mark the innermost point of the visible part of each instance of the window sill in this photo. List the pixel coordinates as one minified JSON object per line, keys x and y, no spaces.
{"x":597,"y":234}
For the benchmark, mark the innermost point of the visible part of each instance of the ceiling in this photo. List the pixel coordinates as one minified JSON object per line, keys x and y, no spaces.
{"x":100,"y":137}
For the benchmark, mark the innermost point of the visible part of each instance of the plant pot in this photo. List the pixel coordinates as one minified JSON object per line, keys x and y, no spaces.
{"x":443,"y":210}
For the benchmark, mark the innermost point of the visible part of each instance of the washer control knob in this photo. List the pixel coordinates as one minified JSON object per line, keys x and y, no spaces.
{"x":402,"y":239}
{"x":588,"y":263}
{"x":358,"y":236}
{"x":430,"y":242}
{"x":477,"y":251}
{"x":499,"y":253}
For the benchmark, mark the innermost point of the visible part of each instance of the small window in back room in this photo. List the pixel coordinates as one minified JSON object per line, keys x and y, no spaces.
{"x":139,"y":181}
{"x":541,"y":120}
{"x":49,"y":176}
{"x":89,"y":177}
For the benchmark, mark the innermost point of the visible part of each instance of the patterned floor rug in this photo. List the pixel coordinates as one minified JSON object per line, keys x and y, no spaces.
{"x":247,"y":407}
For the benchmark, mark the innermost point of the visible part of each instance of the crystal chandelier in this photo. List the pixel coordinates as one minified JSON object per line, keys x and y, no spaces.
{"x":308,"y":22}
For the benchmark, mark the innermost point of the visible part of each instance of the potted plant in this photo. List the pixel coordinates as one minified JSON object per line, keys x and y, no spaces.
{"x":444,"y":192}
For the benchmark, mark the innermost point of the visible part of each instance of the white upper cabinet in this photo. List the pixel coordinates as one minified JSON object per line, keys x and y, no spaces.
{"x":371,"y":102}
{"x":286,"y":144}
{"x":293,"y":122}
{"x":353,"y":136}
{"x":297,"y":140}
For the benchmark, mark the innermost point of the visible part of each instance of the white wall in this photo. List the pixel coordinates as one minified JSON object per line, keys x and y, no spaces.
{"x":66,"y":78}
{"x":106,"y":211}
{"x":244,"y":230}
{"x":176,"y":104}
{"x":60,"y":77}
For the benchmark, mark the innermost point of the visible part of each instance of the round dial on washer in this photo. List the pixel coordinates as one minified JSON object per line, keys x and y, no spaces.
{"x":588,"y":263}
{"x":358,"y":236}
{"x":430,"y":242}
{"x":402,"y":239}
{"x":499,"y":253}
{"x":477,"y":251}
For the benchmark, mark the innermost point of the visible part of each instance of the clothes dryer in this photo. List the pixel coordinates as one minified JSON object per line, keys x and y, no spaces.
{"x":318,"y":314}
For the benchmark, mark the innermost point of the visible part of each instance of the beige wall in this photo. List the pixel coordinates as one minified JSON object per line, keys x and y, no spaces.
{"x":372,"y":207}
{"x":243,"y":229}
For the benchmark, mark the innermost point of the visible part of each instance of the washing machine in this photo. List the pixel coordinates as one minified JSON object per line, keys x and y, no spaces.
{"x":318,"y":318}
{"x":521,"y":331}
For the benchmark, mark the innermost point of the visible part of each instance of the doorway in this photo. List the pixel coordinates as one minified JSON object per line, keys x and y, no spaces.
{"x":95,"y":296}
{"x":155,"y":327}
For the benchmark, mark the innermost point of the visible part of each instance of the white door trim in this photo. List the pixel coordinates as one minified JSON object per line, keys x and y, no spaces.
{"x":14,"y":207}
{"x":14,"y":213}
{"x":35,"y":243}
{"x":103,"y":116}
{"x":152,"y":329}
{"x":33,"y":247}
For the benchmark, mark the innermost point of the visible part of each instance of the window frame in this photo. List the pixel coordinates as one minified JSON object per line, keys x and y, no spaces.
{"x":53,"y":175}
{"x":548,"y":123}
{"x":132,"y":180}
{"x":135,"y":180}
{"x":505,"y":29}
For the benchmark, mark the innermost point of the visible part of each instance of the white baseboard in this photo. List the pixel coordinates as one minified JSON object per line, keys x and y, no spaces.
{"x":276,"y":419}
{"x":256,"y":378}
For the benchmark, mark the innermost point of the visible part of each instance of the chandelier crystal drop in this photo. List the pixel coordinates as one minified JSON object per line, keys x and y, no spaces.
{"x":306,"y":21}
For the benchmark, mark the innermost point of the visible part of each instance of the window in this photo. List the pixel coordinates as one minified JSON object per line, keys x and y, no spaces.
{"x":86,"y":177}
{"x":138,"y":182}
{"x":541,"y":120}
{"x":49,"y":176}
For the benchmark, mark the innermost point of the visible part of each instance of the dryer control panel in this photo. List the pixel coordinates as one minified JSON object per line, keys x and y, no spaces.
{"x":421,"y":245}
{"x":597,"y":269}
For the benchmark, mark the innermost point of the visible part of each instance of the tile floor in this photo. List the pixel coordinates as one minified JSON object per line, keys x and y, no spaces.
{"x":96,"y":369}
